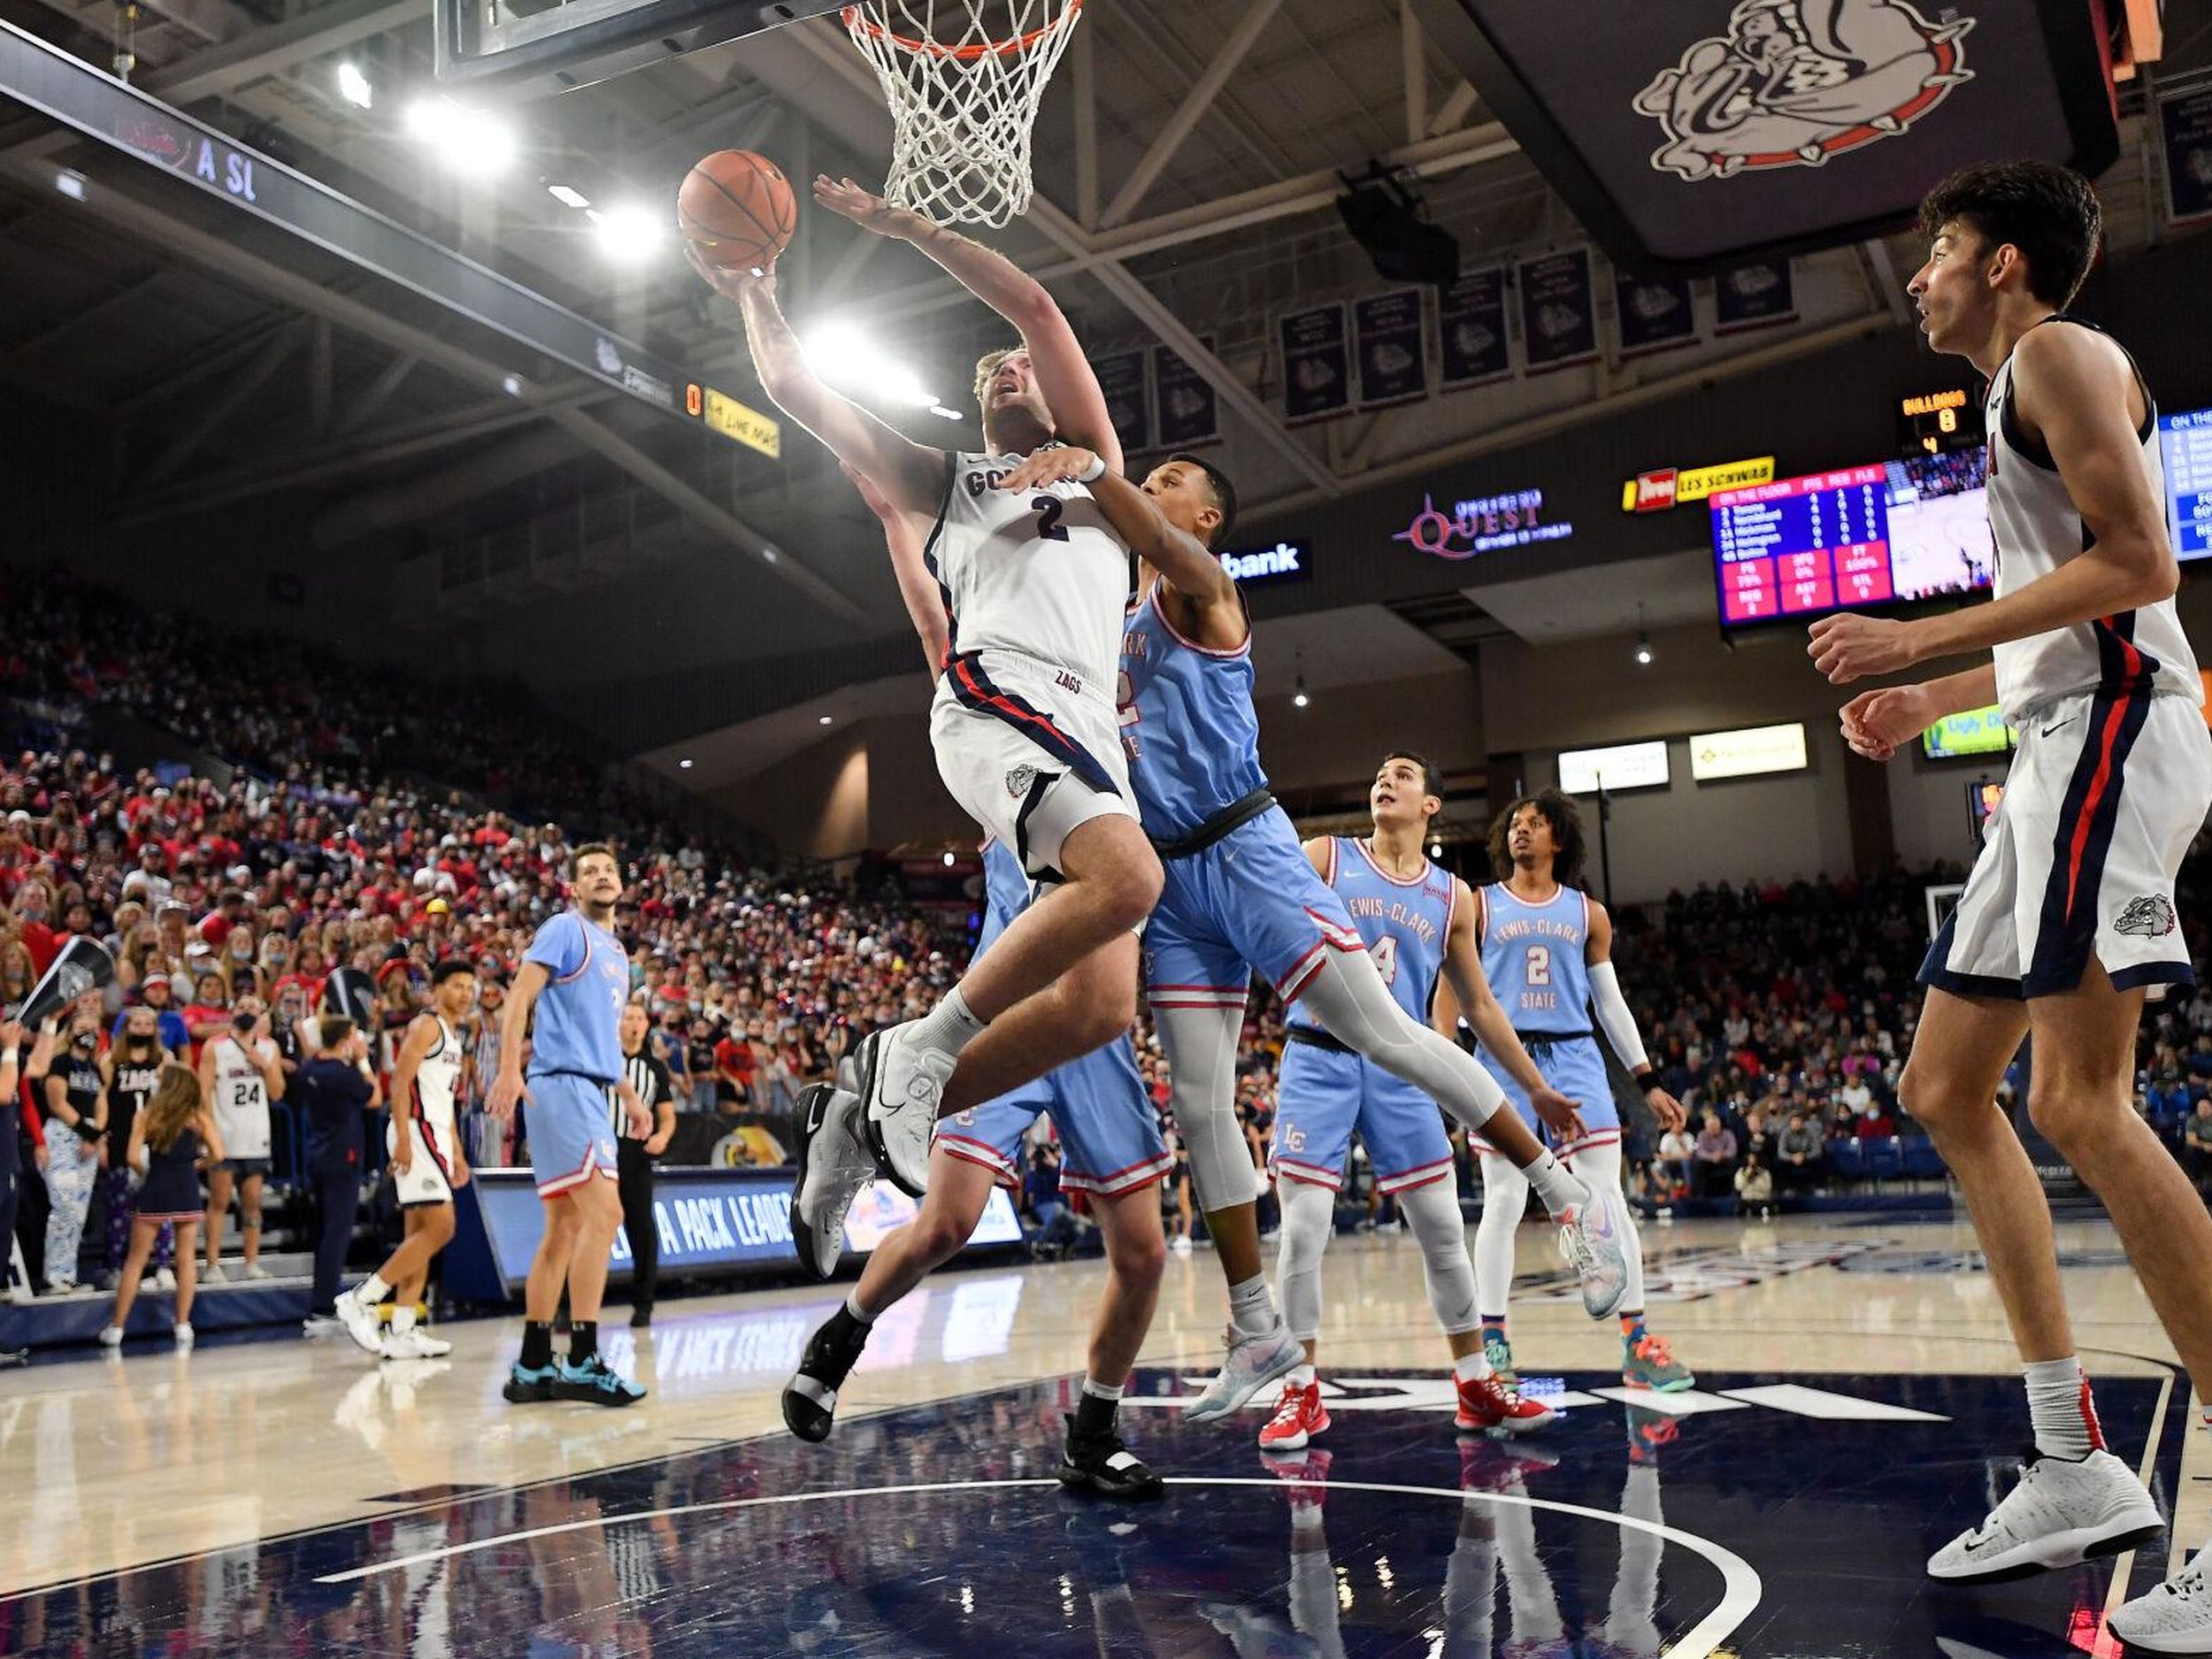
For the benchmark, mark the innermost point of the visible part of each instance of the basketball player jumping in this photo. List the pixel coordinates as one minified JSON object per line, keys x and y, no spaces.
{"x":1241,"y":897}
{"x":576,"y":976}
{"x":1114,"y":1152}
{"x":2067,"y":918}
{"x":427,"y":1163}
{"x":1548,"y":953}
{"x":1418,"y":923}
{"x":1034,"y":586}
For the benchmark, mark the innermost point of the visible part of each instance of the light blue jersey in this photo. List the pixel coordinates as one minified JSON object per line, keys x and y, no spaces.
{"x":1404,"y":922}
{"x":1006,"y":892}
{"x":1188,"y":724}
{"x":1536,"y":958}
{"x":578,"y":1014}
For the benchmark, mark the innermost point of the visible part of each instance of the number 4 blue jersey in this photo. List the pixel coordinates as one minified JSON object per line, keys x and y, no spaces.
{"x":1404,"y":921}
{"x":1537,"y":959}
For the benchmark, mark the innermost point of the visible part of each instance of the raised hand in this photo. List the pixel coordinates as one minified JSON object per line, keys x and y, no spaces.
{"x":869,"y":211}
{"x":1049,"y":466}
{"x":732,"y":281}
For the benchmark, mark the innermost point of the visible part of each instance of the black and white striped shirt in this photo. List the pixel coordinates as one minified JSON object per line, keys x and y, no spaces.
{"x":649,"y":1077}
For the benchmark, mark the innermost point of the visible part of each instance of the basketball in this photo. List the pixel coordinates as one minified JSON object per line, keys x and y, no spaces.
{"x":736,"y":208}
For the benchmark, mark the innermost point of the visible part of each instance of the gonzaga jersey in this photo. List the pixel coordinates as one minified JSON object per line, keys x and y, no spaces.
{"x":575,"y":1028}
{"x":1041,"y":573}
{"x":2038,"y":528}
{"x":438,"y":1079}
{"x":1404,"y":922}
{"x":242,"y":1100}
{"x":1188,"y":724}
{"x":1536,"y":958}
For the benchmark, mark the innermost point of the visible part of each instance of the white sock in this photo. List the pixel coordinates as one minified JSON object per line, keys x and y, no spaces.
{"x":860,"y":1315}
{"x":1556,"y":1187}
{"x":949,"y":1027}
{"x":1301,"y":1378}
{"x":1472,"y":1367}
{"x":2059,"y":1405}
{"x":370,"y":1291}
{"x":1103,"y":1390}
{"x":1250,"y":1308}
{"x":402,"y":1318}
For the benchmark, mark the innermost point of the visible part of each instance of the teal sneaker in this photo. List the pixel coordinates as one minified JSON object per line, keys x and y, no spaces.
{"x":530,"y":1384}
{"x":1651,"y":1364}
{"x":1499,"y":1352}
{"x":593,"y":1380}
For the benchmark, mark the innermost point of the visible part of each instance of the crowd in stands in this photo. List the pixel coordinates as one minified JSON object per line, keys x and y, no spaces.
{"x":1781,"y":1015}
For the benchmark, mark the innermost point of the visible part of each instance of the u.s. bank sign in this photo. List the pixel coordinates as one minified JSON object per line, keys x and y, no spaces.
{"x":1285,"y":562}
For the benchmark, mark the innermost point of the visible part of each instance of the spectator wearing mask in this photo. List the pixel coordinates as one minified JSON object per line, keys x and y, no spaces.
{"x":207,"y":1015}
{"x":131,"y":1070}
{"x":337,"y":1092}
{"x":76,"y":1119}
{"x":174,"y":1135}
{"x":239,"y":1076}
{"x":633,"y":1158}
{"x":169,"y":1026}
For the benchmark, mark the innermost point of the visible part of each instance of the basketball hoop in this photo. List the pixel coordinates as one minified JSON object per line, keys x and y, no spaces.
{"x":964,"y":93}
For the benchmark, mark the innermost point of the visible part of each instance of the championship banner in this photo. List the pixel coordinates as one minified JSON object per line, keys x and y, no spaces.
{"x":81,"y":966}
{"x":1656,"y":313}
{"x":1394,"y":364}
{"x":2186,"y":124}
{"x":1756,"y":294}
{"x":1317,"y":364}
{"x":1559,"y":321}
{"x":1470,"y":330}
{"x":1121,"y":377}
{"x":1189,"y":413}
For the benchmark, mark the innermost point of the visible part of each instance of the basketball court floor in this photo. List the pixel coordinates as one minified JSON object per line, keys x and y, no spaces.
{"x":1856,"y":1404}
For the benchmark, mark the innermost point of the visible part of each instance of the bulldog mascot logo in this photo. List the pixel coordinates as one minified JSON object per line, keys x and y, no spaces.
{"x":1796,"y":82}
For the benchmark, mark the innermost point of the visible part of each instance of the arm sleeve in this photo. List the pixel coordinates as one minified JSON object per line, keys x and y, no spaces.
{"x":1614,"y":1020}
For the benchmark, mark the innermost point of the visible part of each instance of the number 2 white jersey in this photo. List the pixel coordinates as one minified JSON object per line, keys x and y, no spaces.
{"x":1038,"y":573}
{"x":2038,"y":528}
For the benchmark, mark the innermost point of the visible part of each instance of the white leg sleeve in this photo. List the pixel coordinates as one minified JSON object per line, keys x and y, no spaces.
{"x":1528,"y":1584}
{"x":1354,"y":1005}
{"x":1200,"y":1046}
{"x":1470,"y":1582}
{"x":1632,"y":1616}
{"x":1504,"y":1201}
{"x":1432,"y":1212}
{"x":1309,"y":1215}
{"x":1601,"y":1166}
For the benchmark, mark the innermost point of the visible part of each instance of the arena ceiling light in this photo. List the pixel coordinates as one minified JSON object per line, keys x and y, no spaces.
{"x":847,"y":359}
{"x":468,"y":141}
{"x":566,"y":196}
{"x":627,"y":234}
{"x":353,"y":87}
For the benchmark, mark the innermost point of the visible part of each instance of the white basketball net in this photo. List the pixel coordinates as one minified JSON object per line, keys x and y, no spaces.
{"x":964,"y":78}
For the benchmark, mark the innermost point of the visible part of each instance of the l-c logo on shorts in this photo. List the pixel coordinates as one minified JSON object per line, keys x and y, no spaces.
{"x":1018,"y":781}
{"x":2151,"y":916}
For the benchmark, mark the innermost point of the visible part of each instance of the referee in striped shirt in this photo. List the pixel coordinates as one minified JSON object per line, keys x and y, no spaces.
{"x":635,"y":1159}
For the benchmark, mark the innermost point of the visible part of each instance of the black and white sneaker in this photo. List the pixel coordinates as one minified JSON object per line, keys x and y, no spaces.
{"x":1103,"y":1464}
{"x":809,"y":1399}
{"x":2061,"y":1512}
{"x":834,"y":1166}
{"x":901,"y":1080}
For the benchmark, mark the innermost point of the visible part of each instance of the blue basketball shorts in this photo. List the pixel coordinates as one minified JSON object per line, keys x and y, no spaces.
{"x":571,"y":1136}
{"x":1574,"y":1066}
{"x":1109,"y":1134}
{"x":1323,"y":1096}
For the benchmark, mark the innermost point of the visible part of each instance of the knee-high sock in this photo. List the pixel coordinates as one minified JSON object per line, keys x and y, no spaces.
{"x":1504,"y":1200}
{"x":1308,"y":1215}
{"x":1200,"y":1046}
{"x":1432,"y":1211}
{"x":1600,"y":1166}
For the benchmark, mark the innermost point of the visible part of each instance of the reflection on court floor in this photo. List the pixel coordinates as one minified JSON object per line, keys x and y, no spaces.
{"x":1786,"y":1517}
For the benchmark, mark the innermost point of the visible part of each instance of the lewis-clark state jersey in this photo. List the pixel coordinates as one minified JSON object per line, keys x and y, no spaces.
{"x":1188,"y":724}
{"x":2038,"y":528}
{"x":1404,"y":921}
{"x":1041,"y":573}
{"x":1537,"y":959}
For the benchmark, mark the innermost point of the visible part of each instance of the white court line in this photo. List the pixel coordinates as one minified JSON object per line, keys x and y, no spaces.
{"x":1741,"y":1586}
{"x":2125,"y":1564}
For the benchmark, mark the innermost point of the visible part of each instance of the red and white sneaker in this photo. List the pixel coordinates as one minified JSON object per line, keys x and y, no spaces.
{"x":1304,"y":1475}
{"x":1299,"y":1417}
{"x":1487,"y":1406}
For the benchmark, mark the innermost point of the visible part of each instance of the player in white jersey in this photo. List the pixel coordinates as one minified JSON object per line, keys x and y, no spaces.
{"x":2068,"y":920}
{"x":240,"y":1073}
{"x":1034,"y":586}
{"x":424,"y":1140}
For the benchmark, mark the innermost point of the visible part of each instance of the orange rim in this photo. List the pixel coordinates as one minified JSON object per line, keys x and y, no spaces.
{"x":858,"y":23}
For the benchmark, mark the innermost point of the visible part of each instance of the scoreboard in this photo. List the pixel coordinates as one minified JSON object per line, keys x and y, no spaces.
{"x":1803,"y":545}
{"x":2185,"y":443}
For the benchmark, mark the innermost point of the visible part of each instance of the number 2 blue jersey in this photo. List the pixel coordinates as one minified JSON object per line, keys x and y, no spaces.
{"x":1536,"y":958}
{"x":575,"y":1026}
{"x":1188,"y":724}
{"x":1405,"y":923}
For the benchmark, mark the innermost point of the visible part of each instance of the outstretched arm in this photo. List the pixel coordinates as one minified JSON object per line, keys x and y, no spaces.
{"x":1064,"y":374}
{"x":1190,"y":567}
{"x":910,"y":477}
{"x":924,"y":600}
